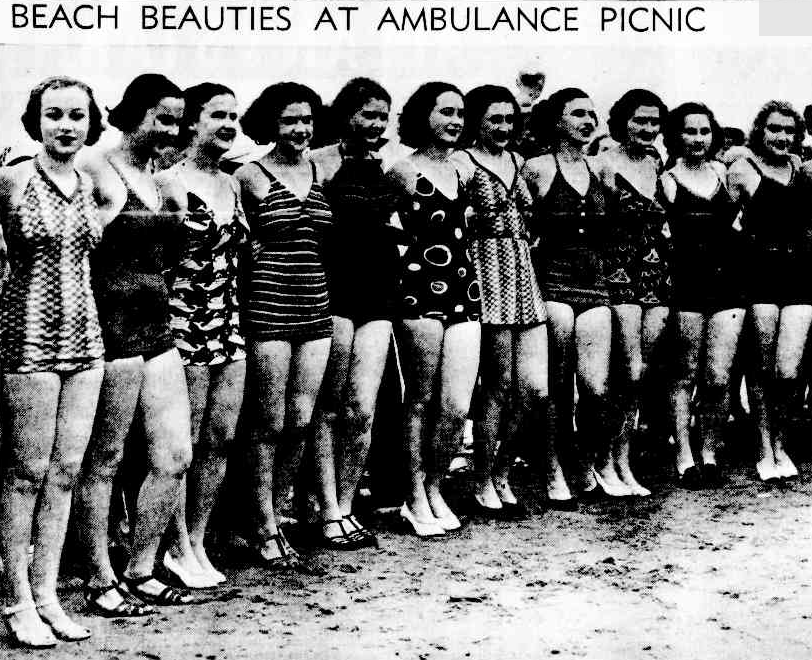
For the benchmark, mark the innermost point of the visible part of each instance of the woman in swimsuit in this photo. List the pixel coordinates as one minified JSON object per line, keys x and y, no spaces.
{"x":363,"y":268}
{"x":514,"y":356}
{"x":776,"y":226}
{"x":439,"y":333}
{"x":287,"y":315}
{"x":570,"y":224}
{"x":206,"y":314}
{"x":143,"y":373}
{"x":637,"y":276}
{"x":706,"y":268}
{"x":52,"y":354}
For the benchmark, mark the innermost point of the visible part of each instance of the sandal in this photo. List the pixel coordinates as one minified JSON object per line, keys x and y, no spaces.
{"x":129,"y":605}
{"x":287,"y":558}
{"x":363,"y":534}
{"x":346,"y":540}
{"x":45,"y":640}
{"x":167,"y":596}
{"x":62,"y":626}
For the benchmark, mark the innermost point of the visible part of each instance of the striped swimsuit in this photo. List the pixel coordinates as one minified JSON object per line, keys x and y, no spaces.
{"x":287,"y":289}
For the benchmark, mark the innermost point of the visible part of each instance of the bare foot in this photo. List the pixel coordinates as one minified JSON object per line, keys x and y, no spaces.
{"x":62,"y":625}
{"x":27,"y":628}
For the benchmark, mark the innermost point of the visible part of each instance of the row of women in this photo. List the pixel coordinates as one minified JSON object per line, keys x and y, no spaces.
{"x":130,"y":296}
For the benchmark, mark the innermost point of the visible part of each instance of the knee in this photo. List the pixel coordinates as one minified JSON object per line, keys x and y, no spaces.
{"x":455,"y":415}
{"x":65,"y":474}
{"x":357,"y":421}
{"x":300,"y":411}
{"x":218,"y":439}
{"x":103,"y":462}
{"x":174,"y":463}
{"x":27,"y":477}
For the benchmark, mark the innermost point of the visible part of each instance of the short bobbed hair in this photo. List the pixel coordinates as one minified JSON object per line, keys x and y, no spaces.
{"x":413,"y":127}
{"x":546,"y":114}
{"x":143,"y":93}
{"x":195,"y":97}
{"x":672,"y":135}
{"x":260,"y":121}
{"x":32,"y":116}
{"x":625,"y":107}
{"x":756,"y":138}
{"x":351,"y":98}
{"x":477,"y":102}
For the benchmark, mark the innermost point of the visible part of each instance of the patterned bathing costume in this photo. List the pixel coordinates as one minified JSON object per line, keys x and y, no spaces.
{"x":438,"y":280}
{"x":636,"y":261}
{"x":361,"y":254}
{"x":287,"y":297}
{"x":500,"y":248}
{"x":138,"y":248}
{"x":204,"y":303}
{"x":706,"y":261}
{"x":572,"y":230}
{"x":777,"y":226}
{"x":49,"y":316}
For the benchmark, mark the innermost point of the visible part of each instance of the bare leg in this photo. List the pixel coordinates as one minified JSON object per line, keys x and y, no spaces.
{"x":458,"y":371}
{"x":690,"y":332}
{"x":761,"y":379}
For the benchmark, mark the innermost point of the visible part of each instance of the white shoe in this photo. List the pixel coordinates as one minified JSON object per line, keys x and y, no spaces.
{"x":423,"y":529}
{"x":188,"y":578}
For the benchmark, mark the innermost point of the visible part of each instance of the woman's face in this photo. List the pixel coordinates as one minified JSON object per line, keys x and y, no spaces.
{"x":217,"y":124}
{"x":578,"y":121}
{"x":643,"y":126}
{"x":697,"y":136}
{"x":161,"y":122}
{"x":369,"y":122}
{"x":295,"y":127}
{"x":446,"y":119}
{"x":64,"y":121}
{"x":779,"y":134}
{"x":497,"y":126}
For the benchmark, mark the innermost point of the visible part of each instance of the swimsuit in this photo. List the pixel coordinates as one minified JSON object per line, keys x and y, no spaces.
{"x":569,"y":257}
{"x":204,"y":303}
{"x":49,"y":317}
{"x":361,"y":255}
{"x":138,"y":248}
{"x":706,"y":258}
{"x":501,"y":252}
{"x":287,"y":295}
{"x":438,"y":280}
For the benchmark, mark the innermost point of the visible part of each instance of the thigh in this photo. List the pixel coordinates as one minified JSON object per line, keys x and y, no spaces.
{"x":197,"y":383}
{"x":459,"y":365}
{"x":31,"y":402}
{"x":338,"y":364}
{"x":764,"y":322}
{"x":78,"y":400}
{"x":793,"y":330}
{"x":308,"y":361}
{"x":532,"y":360}
{"x":561,"y":335}
{"x":690,"y":331}
{"x":652,"y":330}
{"x":269,"y":362}
{"x":370,"y":348}
{"x":593,"y":342}
{"x":420,"y":345}
{"x":225,"y":397}
{"x":496,"y":362}
{"x":723,"y":331}
{"x":629,"y":329}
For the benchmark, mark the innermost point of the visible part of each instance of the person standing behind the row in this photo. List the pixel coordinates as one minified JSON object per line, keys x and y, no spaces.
{"x":143,"y":372}
{"x":637,"y":271}
{"x":707,"y":271}
{"x":777,"y":224}
{"x":363,"y":269}
{"x":514,"y":359}
{"x":439,"y":334}
{"x":206,"y":314}
{"x":287,"y":313}
{"x":52,"y":353}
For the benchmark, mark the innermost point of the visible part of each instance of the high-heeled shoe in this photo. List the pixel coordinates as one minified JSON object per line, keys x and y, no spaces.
{"x":768,"y":472}
{"x":66,"y":630}
{"x":423,"y":529}
{"x":475,"y":508}
{"x":449,"y":522}
{"x":785,"y":469}
{"x":43,"y":639}
{"x":620,"y":490}
{"x":186,"y":577}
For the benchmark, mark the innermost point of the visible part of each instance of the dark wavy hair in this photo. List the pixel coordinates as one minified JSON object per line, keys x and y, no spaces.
{"x":260,"y":121}
{"x":33,"y":109}
{"x":546,"y":114}
{"x":351,"y":98}
{"x":195,"y":97}
{"x":477,"y":102}
{"x":413,"y":127}
{"x":672,"y":135}
{"x":623,"y":110}
{"x":143,"y":93}
{"x":756,"y":138}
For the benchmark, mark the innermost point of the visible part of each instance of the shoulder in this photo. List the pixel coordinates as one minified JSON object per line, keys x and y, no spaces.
{"x":517,"y":158}
{"x":403,"y":175}
{"x":539,"y":172}
{"x":668,"y":184}
{"x":93,"y":162}
{"x":464,"y":165}
{"x":806,"y":169}
{"x":251,"y":178}
{"x":719,"y":168}
{"x":327,"y":160}
{"x":172,"y":187}
{"x":742,"y":167}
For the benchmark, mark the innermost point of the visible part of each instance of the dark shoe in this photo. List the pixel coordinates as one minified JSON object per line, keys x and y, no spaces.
{"x":129,"y":606}
{"x":287,"y":558}
{"x":570,"y":504}
{"x":477,"y":510}
{"x":365,"y":536}
{"x":691,"y":479}
{"x":712,"y":475}
{"x":167,"y":596}
{"x":515,"y":510}
{"x":345,"y":540}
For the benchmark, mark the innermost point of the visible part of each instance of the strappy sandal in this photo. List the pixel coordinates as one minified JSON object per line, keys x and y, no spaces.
{"x":167,"y":596}
{"x":287,"y":558}
{"x":129,"y":606}
{"x":366,"y":537}
{"x":348,"y":539}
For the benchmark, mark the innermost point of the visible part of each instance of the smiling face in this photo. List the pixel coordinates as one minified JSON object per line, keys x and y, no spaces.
{"x":696,"y":136}
{"x":643,"y":126}
{"x":779,"y":134}
{"x":446,"y":119}
{"x":159,"y":128}
{"x":496,"y":127}
{"x":216,"y":127}
{"x":578,"y":121}
{"x":368,"y":123}
{"x":295,"y":127}
{"x":64,"y":121}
